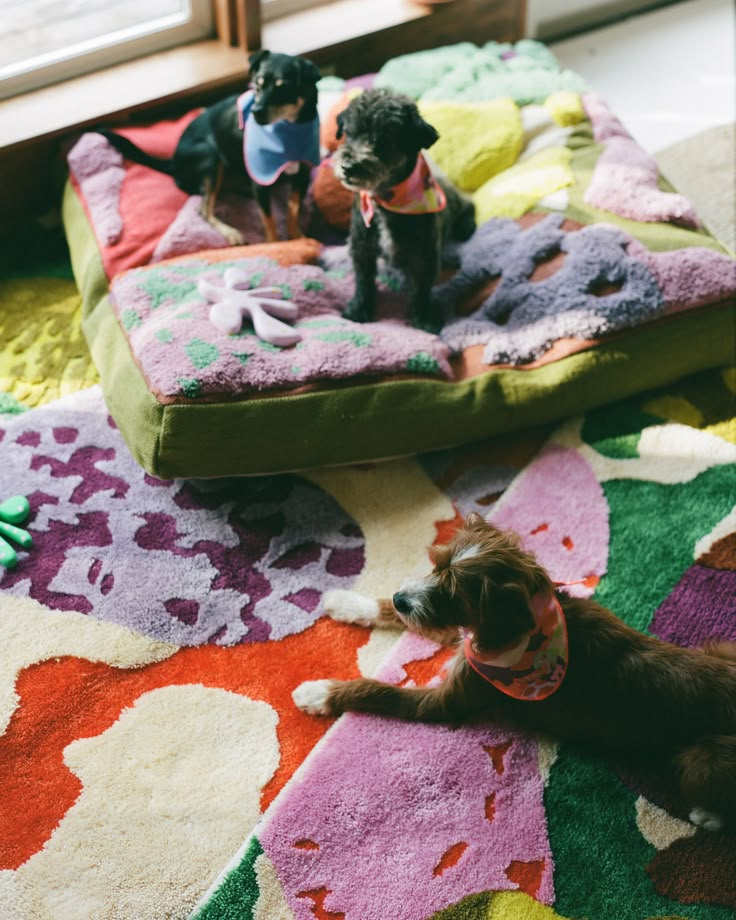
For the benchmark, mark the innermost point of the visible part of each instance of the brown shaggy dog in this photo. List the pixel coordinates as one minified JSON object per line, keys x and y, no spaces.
{"x":608,"y":684}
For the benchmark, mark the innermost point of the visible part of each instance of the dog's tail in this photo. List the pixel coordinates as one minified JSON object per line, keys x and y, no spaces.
{"x":131,"y":152}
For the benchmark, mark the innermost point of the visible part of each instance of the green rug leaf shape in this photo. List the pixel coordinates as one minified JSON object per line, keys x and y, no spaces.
{"x":615,"y":431}
{"x":606,"y":865}
{"x":237,"y":895}
{"x":666,"y":519}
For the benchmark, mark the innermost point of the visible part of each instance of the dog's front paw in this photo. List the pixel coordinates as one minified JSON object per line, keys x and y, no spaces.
{"x":235,"y":237}
{"x":350,"y":607}
{"x":429,"y":324}
{"x":313,"y":697}
{"x":358,"y":311}
{"x":708,"y":820}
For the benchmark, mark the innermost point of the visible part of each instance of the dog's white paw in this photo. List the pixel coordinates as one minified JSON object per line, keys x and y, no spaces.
{"x":349,"y":607}
{"x":706,"y":819}
{"x":233,"y":236}
{"x":312,"y":695}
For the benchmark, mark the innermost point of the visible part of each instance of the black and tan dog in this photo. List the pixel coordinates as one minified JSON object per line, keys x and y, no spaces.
{"x":269,"y":132}
{"x":404,"y":210}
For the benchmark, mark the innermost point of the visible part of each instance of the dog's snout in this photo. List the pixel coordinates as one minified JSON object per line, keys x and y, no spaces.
{"x":353,"y":172}
{"x":402,"y":602}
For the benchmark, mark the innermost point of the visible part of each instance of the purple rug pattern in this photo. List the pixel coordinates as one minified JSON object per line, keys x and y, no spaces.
{"x":346,"y":824}
{"x":186,"y":562}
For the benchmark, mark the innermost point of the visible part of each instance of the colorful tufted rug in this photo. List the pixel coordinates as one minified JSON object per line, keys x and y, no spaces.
{"x":152,"y":763}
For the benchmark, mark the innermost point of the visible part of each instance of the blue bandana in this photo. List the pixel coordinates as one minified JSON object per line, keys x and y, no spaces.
{"x":269,"y":149}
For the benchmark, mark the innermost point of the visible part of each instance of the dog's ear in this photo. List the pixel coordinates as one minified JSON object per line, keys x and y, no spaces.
{"x":256,"y":59}
{"x":440,"y":555}
{"x":340,"y":123}
{"x":426,"y":134}
{"x":505,"y":614}
{"x":309,"y":73}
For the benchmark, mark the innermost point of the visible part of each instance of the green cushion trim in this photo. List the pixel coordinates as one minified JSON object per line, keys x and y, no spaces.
{"x":137,"y":413}
{"x":658,"y":237}
{"x":369,"y":422}
{"x":86,"y":259}
{"x":406,"y":417}
{"x":372,"y":421}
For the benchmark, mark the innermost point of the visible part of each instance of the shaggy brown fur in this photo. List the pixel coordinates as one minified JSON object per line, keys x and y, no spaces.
{"x":623,"y":690}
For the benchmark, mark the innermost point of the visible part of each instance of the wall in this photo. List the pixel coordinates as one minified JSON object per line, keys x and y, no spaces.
{"x":549,"y":19}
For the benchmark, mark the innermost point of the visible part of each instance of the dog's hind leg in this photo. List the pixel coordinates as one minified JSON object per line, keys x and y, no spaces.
{"x":708,"y":781}
{"x":207,"y":210}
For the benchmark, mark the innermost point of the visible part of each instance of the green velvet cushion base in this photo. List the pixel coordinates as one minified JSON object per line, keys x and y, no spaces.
{"x":371,"y":421}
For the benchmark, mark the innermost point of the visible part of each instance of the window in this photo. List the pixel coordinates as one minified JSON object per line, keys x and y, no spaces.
{"x":45,"y":41}
{"x":274,"y":9}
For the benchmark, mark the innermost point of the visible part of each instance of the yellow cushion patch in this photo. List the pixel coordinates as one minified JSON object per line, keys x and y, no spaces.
{"x":518,"y":189}
{"x":565,"y":107}
{"x":477,"y":140}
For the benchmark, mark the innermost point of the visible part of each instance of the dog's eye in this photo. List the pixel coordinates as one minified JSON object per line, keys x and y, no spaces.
{"x":260,"y":81}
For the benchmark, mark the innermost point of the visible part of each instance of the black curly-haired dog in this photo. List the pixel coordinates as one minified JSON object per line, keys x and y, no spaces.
{"x":404,"y":210}
{"x":283,"y":95}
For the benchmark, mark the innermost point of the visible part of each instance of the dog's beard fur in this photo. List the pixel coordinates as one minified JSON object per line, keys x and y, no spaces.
{"x":383,"y":133}
{"x":359,"y":168}
{"x":418,"y":604}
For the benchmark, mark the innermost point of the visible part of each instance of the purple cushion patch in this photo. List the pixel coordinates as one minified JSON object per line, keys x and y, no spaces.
{"x":625,"y":177}
{"x":607,"y":282}
{"x":181,"y":353}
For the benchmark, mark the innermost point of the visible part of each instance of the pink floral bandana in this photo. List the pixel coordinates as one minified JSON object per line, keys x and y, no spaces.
{"x":534,"y":666}
{"x":419,"y":193}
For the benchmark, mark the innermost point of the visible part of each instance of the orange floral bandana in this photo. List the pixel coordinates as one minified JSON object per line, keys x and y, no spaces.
{"x":533,"y":667}
{"x":419,"y":193}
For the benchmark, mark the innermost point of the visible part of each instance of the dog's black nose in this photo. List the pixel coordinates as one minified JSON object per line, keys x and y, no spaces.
{"x":401,"y":602}
{"x":354,"y":170}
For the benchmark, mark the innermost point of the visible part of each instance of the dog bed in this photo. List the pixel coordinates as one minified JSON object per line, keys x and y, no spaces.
{"x":588,"y":279}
